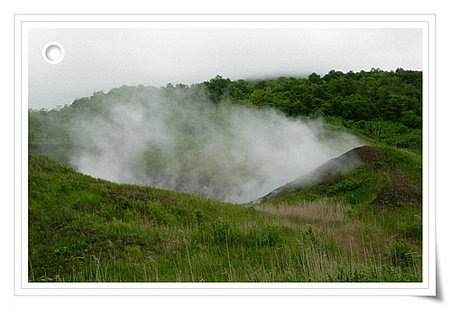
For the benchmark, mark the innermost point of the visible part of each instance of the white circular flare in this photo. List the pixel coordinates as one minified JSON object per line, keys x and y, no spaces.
{"x":53,"y":53}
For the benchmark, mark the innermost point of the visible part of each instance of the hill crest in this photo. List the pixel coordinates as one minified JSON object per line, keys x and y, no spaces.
{"x":398,"y":188}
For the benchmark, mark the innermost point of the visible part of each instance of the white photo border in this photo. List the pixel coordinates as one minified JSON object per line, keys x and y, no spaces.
{"x":23,"y":23}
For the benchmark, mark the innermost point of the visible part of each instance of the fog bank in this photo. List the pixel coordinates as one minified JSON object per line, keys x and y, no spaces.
{"x":179,"y":140}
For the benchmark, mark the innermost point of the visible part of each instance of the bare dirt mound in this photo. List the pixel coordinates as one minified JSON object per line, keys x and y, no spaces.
{"x":343,"y":163}
{"x":399,"y":190}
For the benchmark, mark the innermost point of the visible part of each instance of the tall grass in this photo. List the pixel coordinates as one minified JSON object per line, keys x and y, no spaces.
{"x":322,"y":209}
{"x":89,"y":230}
{"x":349,"y":240}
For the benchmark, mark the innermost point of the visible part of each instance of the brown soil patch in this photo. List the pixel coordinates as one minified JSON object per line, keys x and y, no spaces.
{"x":367,"y":154}
{"x":398,"y":191}
{"x":135,"y":193}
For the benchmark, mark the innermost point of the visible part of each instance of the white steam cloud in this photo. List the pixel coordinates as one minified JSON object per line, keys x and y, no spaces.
{"x":227,"y":152}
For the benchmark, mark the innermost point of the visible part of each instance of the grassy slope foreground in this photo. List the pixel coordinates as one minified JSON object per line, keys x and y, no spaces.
{"x":353,"y":227}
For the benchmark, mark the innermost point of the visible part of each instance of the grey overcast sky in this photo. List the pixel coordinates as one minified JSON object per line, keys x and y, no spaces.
{"x":104,"y":58}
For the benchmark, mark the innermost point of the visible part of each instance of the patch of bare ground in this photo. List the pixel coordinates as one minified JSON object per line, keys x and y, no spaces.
{"x":399,"y":190}
{"x":134,"y":193}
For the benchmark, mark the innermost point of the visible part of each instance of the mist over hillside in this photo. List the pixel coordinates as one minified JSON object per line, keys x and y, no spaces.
{"x":178,"y":139}
{"x":313,"y":200}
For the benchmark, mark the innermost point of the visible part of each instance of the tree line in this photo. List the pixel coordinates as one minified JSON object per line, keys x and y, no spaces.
{"x":382,"y":106}
{"x":372,"y":95}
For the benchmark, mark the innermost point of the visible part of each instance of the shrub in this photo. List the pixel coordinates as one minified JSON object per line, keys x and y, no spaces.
{"x":271,"y":236}
{"x":414,"y":230}
{"x":344,"y":186}
{"x":158,"y":214}
{"x":108,"y":211}
{"x":223,"y":232}
{"x":199,"y":217}
{"x":400,"y":255}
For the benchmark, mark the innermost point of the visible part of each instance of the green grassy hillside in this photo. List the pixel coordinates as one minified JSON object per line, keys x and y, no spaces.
{"x":354,"y":227}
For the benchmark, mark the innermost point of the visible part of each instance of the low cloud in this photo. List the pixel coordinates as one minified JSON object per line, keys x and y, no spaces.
{"x":179,"y":140}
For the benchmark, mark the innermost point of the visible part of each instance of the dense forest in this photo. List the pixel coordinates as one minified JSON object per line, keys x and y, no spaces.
{"x":377,"y":105}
